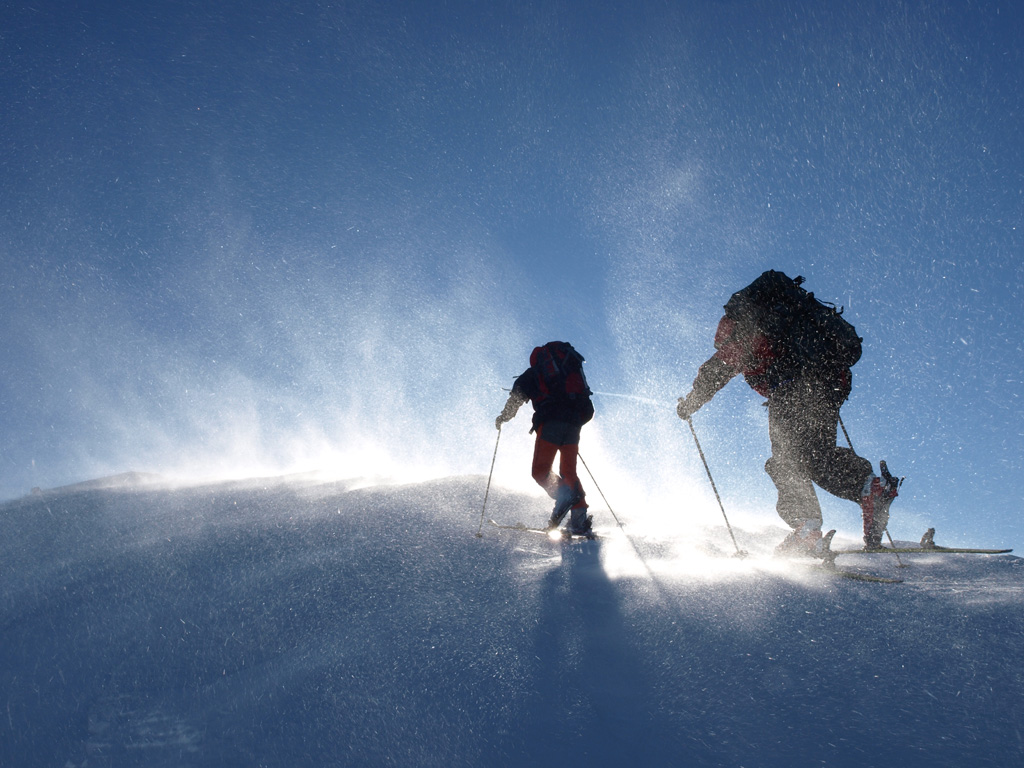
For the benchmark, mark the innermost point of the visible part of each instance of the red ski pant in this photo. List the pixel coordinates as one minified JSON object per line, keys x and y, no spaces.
{"x":543,"y":461}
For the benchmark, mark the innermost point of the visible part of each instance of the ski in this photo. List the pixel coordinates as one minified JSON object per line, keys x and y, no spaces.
{"x":825,"y":562}
{"x":921,"y":551}
{"x":563,"y":534}
{"x":927,"y":545}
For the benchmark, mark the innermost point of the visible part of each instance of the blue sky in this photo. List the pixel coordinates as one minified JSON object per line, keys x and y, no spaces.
{"x":258,"y":237}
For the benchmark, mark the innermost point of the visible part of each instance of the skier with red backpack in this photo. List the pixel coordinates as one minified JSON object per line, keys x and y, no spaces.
{"x":557,"y":387}
{"x":797,"y":352}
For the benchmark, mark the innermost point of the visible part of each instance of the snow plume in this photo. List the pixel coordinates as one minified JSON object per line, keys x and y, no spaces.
{"x":347,"y":352}
{"x":376,"y":344}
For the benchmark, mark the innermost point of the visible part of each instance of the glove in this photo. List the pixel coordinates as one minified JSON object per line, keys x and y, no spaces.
{"x":500,"y":420}
{"x":685,"y":409}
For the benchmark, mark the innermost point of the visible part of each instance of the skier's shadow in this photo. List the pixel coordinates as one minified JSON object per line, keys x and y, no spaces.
{"x":592,"y":695}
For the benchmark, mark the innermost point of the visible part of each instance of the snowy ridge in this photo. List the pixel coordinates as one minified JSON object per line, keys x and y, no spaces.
{"x":308,"y":624}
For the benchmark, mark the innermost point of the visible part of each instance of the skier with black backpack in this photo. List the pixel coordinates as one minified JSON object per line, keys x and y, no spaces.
{"x":797,"y":352}
{"x":557,"y":387}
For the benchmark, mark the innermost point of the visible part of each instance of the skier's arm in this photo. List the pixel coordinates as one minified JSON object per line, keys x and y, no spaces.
{"x":516,"y":398}
{"x":718,"y":371}
{"x":714,"y":374}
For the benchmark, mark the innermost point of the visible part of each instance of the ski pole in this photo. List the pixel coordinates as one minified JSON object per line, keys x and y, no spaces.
{"x":849,"y":442}
{"x":616,"y":517}
{"x":487,"y":493}
{"x":739,"y":552}
{"x":846,"y":434}
{"x":619,"y":522}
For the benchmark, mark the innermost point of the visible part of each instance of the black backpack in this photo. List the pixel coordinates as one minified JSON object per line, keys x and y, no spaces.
{"x":560,"y":377}
{"x":805,"y":331}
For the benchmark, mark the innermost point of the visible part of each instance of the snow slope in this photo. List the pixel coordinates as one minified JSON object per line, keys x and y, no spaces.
{"x":301,"y":623}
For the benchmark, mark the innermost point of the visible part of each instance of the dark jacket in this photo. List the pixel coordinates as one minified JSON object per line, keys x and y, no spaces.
{"x":742,"y":349}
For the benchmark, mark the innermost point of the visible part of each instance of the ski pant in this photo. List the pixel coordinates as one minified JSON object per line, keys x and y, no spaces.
{"x":803,"y":417}
{"x":566,"y":481}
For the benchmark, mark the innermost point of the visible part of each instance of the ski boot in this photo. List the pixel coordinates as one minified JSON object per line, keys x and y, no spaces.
{"x":580,"y":524}
{"x":875,"y":500}
{"x":566,"y":499}
{"x":805,"y":540}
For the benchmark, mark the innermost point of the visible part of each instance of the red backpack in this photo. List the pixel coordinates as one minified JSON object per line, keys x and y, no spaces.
{"x":559,"y":370}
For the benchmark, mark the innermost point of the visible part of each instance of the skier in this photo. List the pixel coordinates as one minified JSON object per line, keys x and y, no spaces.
{"x":797,"y":352}
{"x":556,"y":386}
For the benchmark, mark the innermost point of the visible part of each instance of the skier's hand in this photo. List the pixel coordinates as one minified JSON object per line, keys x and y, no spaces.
{"x":500,"y":420}
{"x":685,"y":410}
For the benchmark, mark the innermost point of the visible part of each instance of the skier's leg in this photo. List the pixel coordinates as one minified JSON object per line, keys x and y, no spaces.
{"x":568,"y":492}
{"x":797,"y":502}
{"x":837,"y":470}
{"x":543,"y":459}
{"x":568,"y":455}
{"x":575,"y":498}
{"x":840,"y":471}
{"x":877,"y":496}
